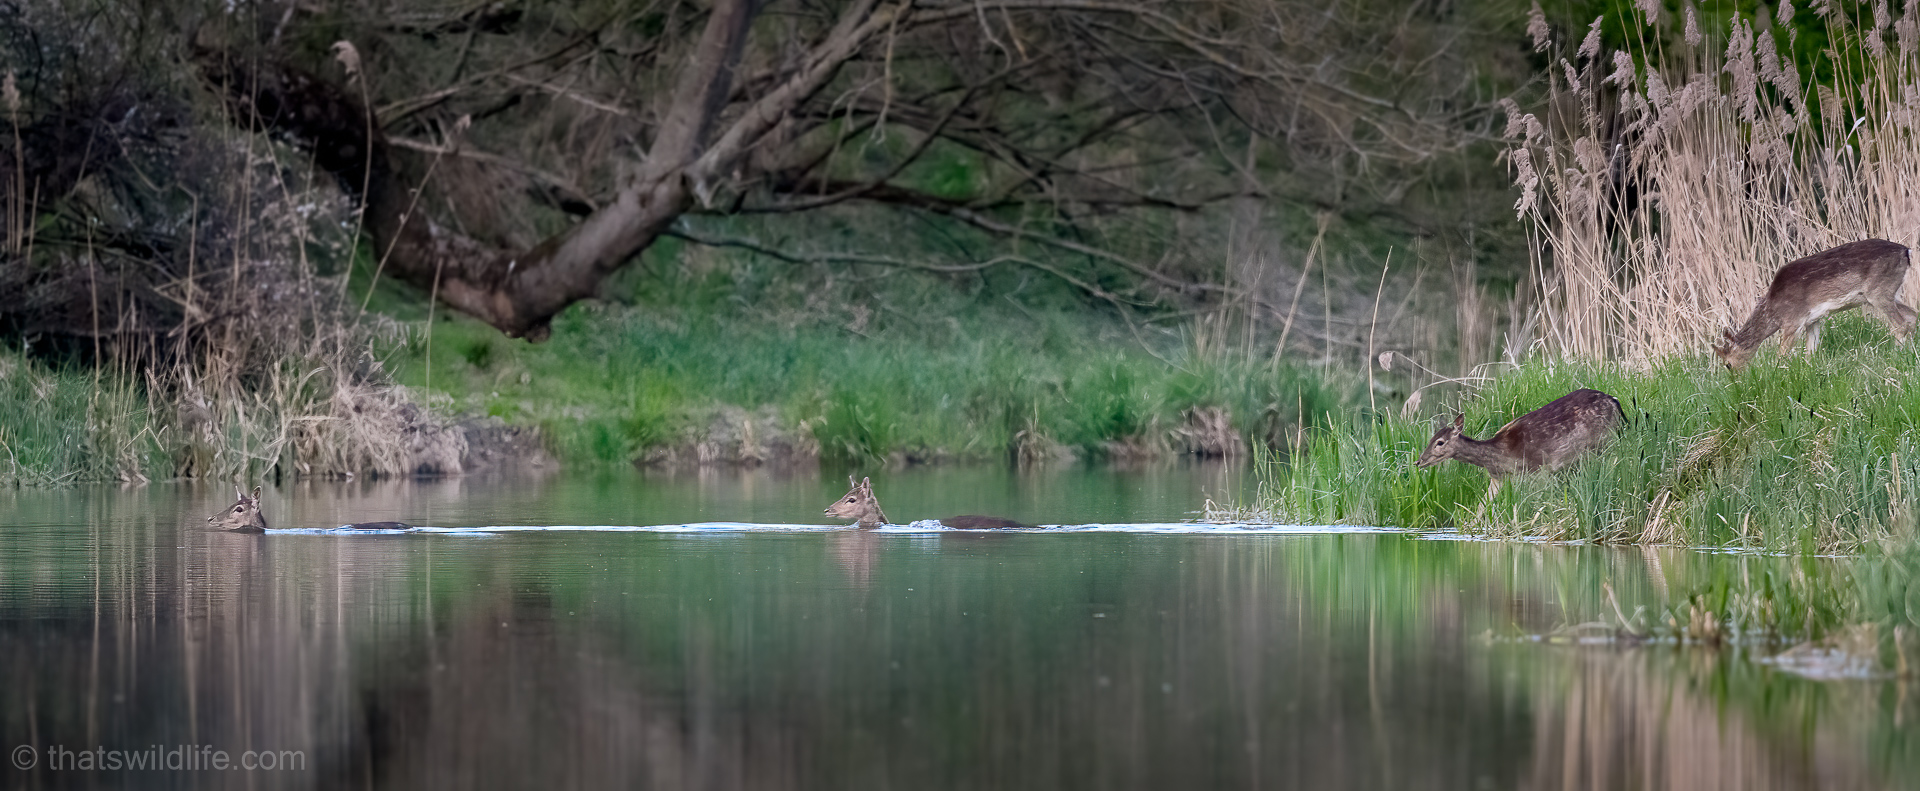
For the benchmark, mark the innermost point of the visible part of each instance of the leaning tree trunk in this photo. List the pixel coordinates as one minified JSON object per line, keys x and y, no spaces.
{"x":520,"y":291}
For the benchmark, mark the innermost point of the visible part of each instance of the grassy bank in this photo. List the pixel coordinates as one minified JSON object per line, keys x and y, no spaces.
{"x":687,"y":358}
{"x":1800,"y":453}
{"x":69,"y":424}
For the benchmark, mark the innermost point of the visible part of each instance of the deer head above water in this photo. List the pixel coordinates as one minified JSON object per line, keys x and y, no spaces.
{"x":859,"y":504}
{"x":1549,"y":438}
{"x":1868,"y":272}
{"x":243,"y":516}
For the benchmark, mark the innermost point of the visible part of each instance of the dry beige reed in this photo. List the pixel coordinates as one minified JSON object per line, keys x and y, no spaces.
{"x":1666,"y":185}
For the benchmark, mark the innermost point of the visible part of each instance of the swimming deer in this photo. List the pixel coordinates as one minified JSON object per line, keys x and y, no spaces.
{"x":244,"y":517}
{"x":860,"y":505}
{"x":1869,"y":272}
{"x":1548,"y":438}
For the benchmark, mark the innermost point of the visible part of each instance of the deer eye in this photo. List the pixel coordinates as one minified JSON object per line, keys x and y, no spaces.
{"x":1439,"y":442}
{"x":238,"y":509}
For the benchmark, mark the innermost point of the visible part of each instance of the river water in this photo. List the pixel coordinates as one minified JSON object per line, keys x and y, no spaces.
{"x":701,"y":655}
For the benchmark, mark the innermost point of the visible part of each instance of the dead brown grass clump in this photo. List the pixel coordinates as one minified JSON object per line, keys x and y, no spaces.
{"x":1666,"y":185}
{"x":1208,"y":432}
{"x":200,"y":273}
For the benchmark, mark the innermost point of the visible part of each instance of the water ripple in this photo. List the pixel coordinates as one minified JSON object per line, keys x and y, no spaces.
{"x":923,"y":526}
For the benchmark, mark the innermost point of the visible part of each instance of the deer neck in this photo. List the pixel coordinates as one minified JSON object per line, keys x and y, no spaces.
{"x":868,"y":513}
{"x":1485,"y":453}
{"x":1763,"y":323}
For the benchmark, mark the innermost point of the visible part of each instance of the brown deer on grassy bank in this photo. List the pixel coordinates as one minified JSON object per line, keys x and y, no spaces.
{"x":1548,"y":438}
{"x":1869,"y":272}
{"x":860,"y":505}
{"x":244,"y":517}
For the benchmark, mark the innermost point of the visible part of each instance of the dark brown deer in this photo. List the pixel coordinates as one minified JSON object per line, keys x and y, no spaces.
{"x":860,"y":505}
{"x":1548,"y":438}
{"x":1869,"y":272}
{"x":244,"y":517}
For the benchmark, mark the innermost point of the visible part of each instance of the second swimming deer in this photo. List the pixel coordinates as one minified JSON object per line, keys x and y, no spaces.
{"x":1869,"y":272}
{"x":1548,"y":438}
{"x":244,"y":516}
{"x":860,"y":505}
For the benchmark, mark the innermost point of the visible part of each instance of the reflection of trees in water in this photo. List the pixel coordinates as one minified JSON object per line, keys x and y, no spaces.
{"x":507,"y":697}
{"x":327,"y":647}
{"x":1653,"y":718}
{"x":867,"y":660}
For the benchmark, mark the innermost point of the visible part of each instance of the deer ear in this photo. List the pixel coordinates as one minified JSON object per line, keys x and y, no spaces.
{"x":1459,"y":420}
{"x":850,"y":483}
{"x":256,"y":494}
{"x":866,"y":483}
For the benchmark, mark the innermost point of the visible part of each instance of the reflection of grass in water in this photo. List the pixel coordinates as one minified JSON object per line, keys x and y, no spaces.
{"x":1866,"y":607}
{"x":1684,"y":604}
{"x":1797,"y":454}
{"x":1295,"y":631}
{"x":1404,"y":602}
{"x":1631,"y":593}
{"x":612,"y":382}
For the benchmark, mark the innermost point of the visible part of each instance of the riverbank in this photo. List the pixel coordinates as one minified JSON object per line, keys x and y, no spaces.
{"x":1799,"y":454}
{"x":686,"y":370}
{"x":678,"y":385}
{"x":67,"y":425}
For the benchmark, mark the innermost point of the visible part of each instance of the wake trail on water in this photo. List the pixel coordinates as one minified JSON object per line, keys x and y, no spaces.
{"x":920,"y":527}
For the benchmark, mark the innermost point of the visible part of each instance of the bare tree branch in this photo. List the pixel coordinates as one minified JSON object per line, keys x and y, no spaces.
{"x":1120,"y":109}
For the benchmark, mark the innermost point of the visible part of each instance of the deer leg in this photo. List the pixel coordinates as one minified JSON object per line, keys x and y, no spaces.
{"x":1787,"y":336}
{"x":1898,"y":316}
{"x":1813,"y":338}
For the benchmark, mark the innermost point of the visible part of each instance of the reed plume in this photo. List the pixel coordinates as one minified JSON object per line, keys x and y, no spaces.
{"x":1664,"y":184}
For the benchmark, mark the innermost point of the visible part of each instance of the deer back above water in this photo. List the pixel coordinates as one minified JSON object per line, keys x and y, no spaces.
{"x":1549,"y":438}
{"x":244,"y":516}
{"x":860,"y":505}
{"x":1869,"y":272}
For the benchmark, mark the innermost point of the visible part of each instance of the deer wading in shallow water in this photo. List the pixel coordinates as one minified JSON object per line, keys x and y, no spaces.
{"x":1868,"y":272}
{"x":1548,"y":438}
{"x":244,"y":517}
{"x":860,"y":505}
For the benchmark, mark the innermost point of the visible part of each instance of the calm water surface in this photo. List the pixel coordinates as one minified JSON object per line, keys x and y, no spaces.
{"x":856,"y":660}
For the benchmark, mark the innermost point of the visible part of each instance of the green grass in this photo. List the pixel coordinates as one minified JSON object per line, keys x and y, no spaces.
{"x":876,"y":366}
{"x":615,"y":380}
{"x":1797,"y":454}
{"x":66,"y":425}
